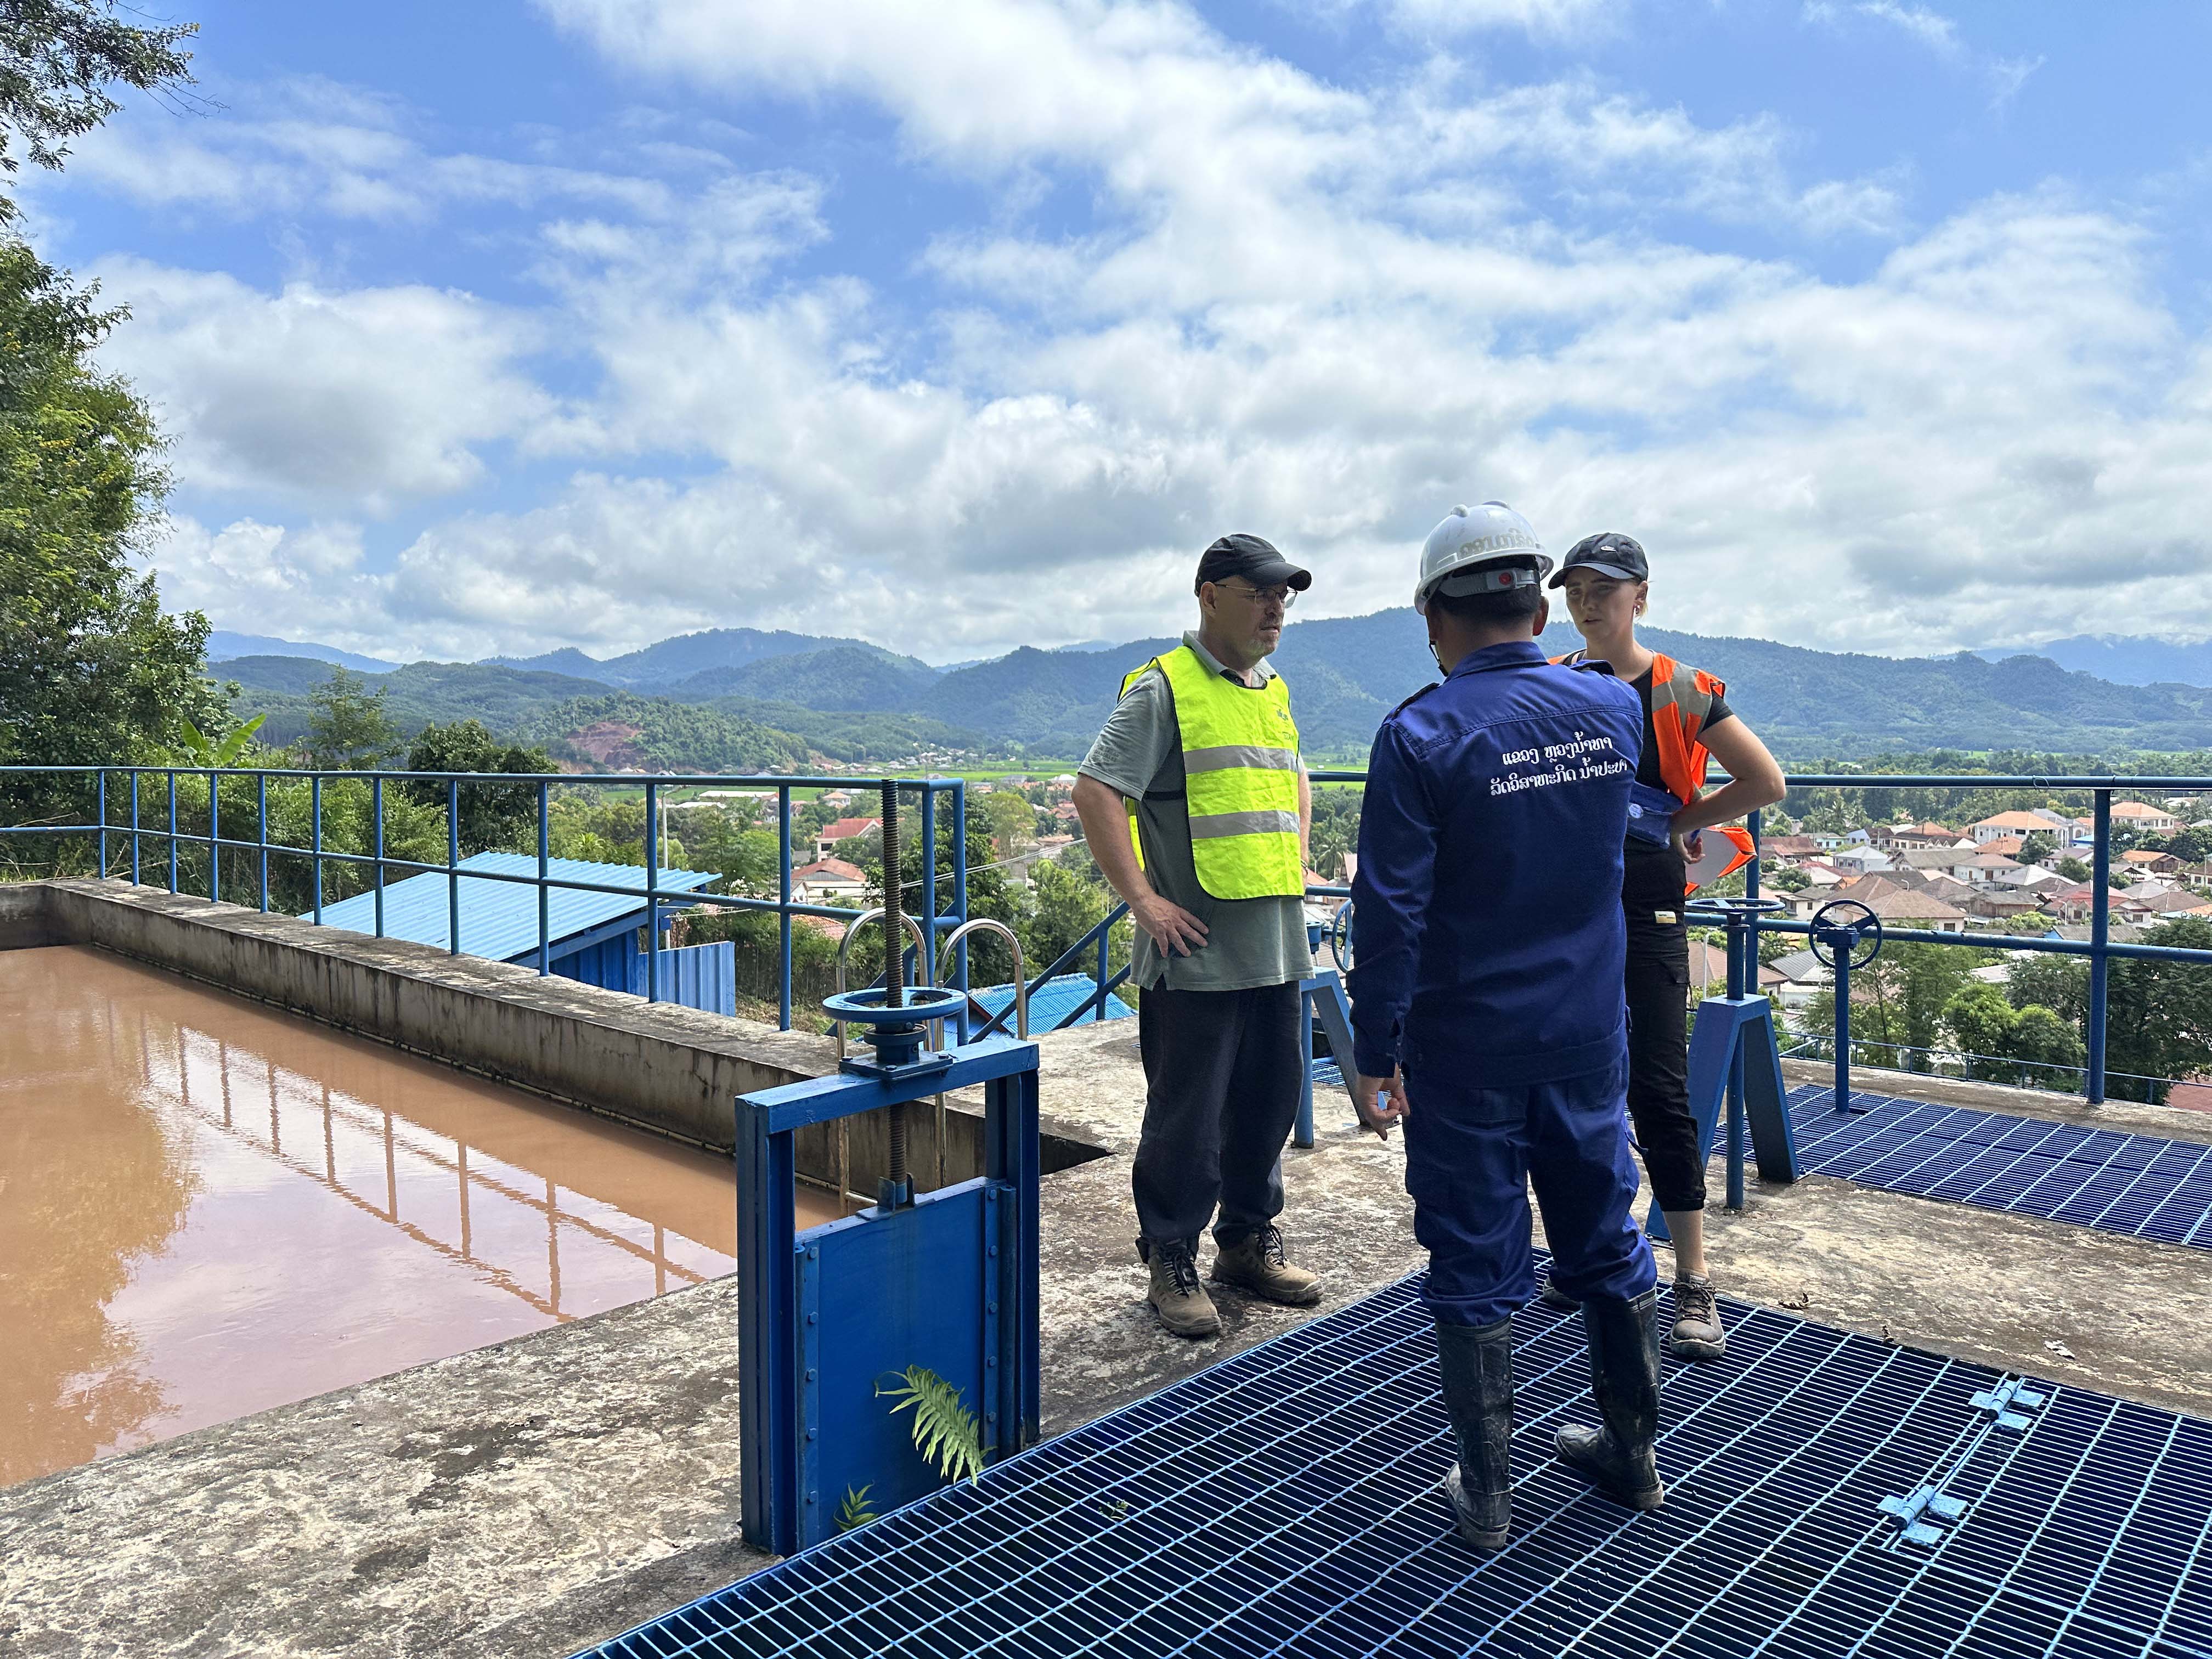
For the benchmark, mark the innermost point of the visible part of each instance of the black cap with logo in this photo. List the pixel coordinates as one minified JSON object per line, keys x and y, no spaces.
{"x":1255,"y":560}
{"x":1609,"y":554}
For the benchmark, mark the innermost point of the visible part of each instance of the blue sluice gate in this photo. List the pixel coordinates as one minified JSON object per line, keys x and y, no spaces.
{"x":1826,"y":1495}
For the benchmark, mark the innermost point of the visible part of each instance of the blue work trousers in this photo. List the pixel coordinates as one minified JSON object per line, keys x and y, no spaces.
{"x":1470,"y":1156}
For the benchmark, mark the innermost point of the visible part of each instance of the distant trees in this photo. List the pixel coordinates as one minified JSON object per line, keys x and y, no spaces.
{"x":350,"y":727}
{"x":491,"y":815}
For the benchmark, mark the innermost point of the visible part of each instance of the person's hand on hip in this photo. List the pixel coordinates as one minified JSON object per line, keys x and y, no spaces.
{"x":1174,"y":929}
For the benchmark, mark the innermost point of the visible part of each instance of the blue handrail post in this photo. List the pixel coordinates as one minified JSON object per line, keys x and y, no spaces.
{"x":102,"y":776}
{"x":1098,"y":1003}
{"x":544,"y":914}
{"x":134,"y":826}
{"x":172,"y":830}
{"x":376,"y":814}
{"x":261,"y":798}
{"x":215,"y":836}
{"x":1750,"y":873}
{"x":651,"y":892}
{"x":783,"y":911}
{"x":1737,"y":951}
{"x":960,"y":892}
{"x":315,"y":833}
{"x":2100,"y":920}
{"x":453,"y":866}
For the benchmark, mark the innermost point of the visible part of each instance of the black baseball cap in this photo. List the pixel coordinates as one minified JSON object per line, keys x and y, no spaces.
{"x":1255,"y":560}
{"x":1609,"y":554}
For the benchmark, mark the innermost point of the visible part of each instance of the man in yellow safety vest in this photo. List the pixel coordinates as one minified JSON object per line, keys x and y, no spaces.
{"x":1195,"y":804}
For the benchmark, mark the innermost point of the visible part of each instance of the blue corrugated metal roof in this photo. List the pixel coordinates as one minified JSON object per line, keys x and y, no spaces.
{"x":1055,"y":1000}
{"x":499,"y":919}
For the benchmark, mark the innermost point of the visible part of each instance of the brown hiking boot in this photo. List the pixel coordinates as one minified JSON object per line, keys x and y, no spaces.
{"x":1184,"y":1308}
{"x":1255,"y":1263}
{"x":1698,"y":1333}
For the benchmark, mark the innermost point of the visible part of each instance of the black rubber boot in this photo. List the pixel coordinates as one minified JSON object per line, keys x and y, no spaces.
{"x":1477,"y":1361}
{"x":1555,"y":1298}
{"x":1623,"y":1361}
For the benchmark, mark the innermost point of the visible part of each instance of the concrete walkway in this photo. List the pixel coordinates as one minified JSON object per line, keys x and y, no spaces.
{"x":542,"y":1494}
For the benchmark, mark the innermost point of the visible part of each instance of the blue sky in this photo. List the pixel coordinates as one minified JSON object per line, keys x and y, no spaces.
{"x":498,"y":327}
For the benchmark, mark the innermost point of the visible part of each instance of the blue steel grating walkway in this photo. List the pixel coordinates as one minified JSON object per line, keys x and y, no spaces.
{"x":2140,"y":1185}
{"x":1285,"y":1502}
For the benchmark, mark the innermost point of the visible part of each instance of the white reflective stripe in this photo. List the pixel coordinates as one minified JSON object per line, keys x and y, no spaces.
{"x":1216,"y":824}
{"x":1234,"y":756}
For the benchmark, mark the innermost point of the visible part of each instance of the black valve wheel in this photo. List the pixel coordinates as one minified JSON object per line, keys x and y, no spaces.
{"x":1849,"y":924}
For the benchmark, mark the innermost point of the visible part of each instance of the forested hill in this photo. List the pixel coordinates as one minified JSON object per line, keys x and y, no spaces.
{"x":1347,"y":673}
{"x":852,"y":700}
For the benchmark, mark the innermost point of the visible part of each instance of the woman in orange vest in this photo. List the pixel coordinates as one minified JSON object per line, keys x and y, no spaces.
{"x":1686,"y":719}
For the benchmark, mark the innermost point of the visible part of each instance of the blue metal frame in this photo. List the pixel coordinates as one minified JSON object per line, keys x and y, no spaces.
{"x":2100,"y":948}
{"x":381,"y":867}
{"x":797,"y":1417}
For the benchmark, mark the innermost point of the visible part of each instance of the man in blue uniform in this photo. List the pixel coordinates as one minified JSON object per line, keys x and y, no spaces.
{"x":1486,"y":1001}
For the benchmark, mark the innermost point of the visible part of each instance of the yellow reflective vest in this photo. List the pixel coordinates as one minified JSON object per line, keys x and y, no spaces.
{"x":1240,"y":762}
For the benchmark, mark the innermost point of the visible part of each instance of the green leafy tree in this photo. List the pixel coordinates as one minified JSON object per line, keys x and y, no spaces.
{"x":2159,"y":1014}
{"x":492,"y":815}
{"x":1012,"y":821}
{"x":1998,"y":1038}
{"x":57,"y":60}
{"x":91,"y":670}
{"x":1791,"y":881}
{"x":351,"y":726}
{"x":1897,"y":1001}
{"x":2190,"y":846}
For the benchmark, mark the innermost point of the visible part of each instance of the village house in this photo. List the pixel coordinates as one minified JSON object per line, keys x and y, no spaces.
{"x":2004,"y":825}
{"x":2144,"y":820}
{"x":1918,"y":912}
{"x":1984,"y":867}
{"x":863,"y":833}
{"x":2141,"y":860}
{"x":828,"y":881}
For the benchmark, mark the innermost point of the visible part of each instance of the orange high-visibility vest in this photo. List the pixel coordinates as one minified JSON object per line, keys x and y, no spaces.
{"x":1681,"y":697}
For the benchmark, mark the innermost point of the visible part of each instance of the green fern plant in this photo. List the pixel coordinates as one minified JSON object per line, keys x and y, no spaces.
{"x":945,"y":1432}
{"x":856,"y":1511}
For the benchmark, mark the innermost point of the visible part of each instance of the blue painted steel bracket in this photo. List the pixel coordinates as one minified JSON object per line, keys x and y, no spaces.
{"x":1733,"y":1048}
{"x":949,"y":1283}
{"x":1321,"y":1000}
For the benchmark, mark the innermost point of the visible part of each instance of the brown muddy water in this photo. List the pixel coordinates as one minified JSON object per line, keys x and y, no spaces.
{"x":208,"y":1208}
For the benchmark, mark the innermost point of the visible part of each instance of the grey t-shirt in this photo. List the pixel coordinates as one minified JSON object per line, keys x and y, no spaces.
{"x":1248,"y":942}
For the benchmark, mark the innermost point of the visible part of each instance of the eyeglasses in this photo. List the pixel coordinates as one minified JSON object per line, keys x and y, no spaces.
{"x":1284,"y":596}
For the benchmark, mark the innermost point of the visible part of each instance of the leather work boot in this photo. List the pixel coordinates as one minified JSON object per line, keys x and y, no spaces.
{"x":1476,"y":1362}
{"x":1698,"y":1333}
{"x":1184,"y":1308}
{"x":1555,"y":1298}
{"x":1255,"y":1263}
{"x":1624,"y":1362}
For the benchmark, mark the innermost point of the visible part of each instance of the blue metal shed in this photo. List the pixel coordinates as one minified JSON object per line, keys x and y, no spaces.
{"x":1053,"y":1001}
{"x":592,"y":937}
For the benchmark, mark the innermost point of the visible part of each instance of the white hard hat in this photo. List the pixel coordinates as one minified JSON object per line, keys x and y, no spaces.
{"x":1486,"y":550}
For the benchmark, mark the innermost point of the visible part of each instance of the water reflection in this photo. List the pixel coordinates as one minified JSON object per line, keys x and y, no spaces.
{"x":208,"y":1208}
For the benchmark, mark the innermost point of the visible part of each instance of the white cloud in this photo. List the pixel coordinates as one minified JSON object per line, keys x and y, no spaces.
{"x":1929,"y":28}
{"x":361,"y":398}
{"x":1319,"y":312}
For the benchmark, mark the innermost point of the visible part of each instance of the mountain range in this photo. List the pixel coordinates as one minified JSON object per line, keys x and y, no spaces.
{"x":731,"y":692}
{"x":2125,"y":659}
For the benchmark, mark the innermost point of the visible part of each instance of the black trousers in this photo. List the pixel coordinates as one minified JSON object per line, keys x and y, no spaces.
{"x":1222,"y":1074}
{"x":1659,"y":1031}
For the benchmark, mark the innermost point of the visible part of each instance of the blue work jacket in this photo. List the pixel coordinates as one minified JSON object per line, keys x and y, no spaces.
{"x":1488,"y":941}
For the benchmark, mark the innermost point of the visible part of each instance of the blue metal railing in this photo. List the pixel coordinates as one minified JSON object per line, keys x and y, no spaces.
{"x":381,"y":863}
{"x":2057,"y":1076}
{"x":2100,"y":948}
